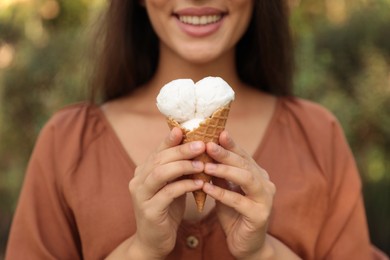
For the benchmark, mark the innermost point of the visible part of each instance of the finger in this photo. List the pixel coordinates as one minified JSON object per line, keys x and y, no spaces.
{"x":250,"y":183}
{"x":176,"y":153}
{"x":174,"y":190}
{"x":174,"y":138}
{"x":224,"y":156}
{"x":180,"y":152}
{"x":233,"y":155}
{"x":231,"y":199}
{"x":166,"y":173}
{"x":228,"y":143}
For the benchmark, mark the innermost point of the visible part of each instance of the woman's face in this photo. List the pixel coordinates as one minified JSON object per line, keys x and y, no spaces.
{"x":199,"y":30}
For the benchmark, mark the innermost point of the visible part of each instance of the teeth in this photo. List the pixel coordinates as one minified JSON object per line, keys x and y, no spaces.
{"x":200,"y":20}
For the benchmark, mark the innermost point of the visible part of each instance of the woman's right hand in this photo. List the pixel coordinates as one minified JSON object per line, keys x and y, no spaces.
{"x":157,"y":190}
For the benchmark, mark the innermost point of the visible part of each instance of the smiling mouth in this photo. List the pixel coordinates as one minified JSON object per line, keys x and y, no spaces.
{"x":199,"y":20}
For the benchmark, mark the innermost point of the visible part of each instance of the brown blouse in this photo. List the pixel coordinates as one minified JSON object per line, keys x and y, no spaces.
{"x":75,"y":202}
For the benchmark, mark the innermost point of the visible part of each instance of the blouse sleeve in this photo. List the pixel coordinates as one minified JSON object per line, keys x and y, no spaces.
{"x":43,"y":226}
{"x":344,"y":234}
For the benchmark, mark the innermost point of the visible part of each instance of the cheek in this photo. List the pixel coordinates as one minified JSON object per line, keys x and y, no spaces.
{"x":159,"y":14}
{"x":244,"y":2}
{"x":242,"y":16}
{"x":246,"y":8}
{"x":156,"y":5}
{"x":156,"y":2}
{"x":156,"y":8}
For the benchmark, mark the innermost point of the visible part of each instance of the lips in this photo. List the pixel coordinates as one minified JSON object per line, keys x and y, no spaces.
{"x":199,"y":22}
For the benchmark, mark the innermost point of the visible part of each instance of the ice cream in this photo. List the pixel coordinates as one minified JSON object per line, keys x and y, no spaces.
{"x":177,"y":100}
{"x":211,"y":93}
{"x":200,"y":110}
{"x":190,"y":103}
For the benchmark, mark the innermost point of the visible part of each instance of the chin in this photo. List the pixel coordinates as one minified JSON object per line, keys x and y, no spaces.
{"x":200,"y":59}
{"x":200,"y":55}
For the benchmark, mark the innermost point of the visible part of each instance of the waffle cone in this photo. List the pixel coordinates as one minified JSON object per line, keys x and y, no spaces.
{"x":208,"y":131}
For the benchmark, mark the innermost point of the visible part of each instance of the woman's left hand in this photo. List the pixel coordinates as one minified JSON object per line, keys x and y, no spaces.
{"x":244,"y":196}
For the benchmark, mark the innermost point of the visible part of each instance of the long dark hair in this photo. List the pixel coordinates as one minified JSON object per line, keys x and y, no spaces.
{"x":128,"y":51}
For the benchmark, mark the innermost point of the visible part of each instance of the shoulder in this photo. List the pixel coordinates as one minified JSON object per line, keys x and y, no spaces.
{"x":309,"y":116}
{"x":77,"y":119}
{"x":80,"y":113}
{"x":77,"y":124}
{"x":316,"y":125}
{"x":70,"y":131}
{"x":309,"y":111}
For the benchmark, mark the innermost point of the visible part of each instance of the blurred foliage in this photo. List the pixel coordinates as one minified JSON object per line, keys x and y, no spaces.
{"x":343,"y":62}
{"x":43,"y":63}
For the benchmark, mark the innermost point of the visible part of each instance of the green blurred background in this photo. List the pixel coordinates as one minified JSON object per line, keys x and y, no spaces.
{"x":343,"y":62}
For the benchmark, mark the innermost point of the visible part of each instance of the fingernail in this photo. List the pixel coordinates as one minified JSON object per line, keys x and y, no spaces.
{"x":197,"y":164}
{"x":195,"y":146}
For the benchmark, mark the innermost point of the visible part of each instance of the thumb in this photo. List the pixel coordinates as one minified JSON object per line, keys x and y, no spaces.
{"x":174,"y":138}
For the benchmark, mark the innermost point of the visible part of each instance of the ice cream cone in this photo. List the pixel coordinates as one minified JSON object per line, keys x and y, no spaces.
{"x":208,"y":131}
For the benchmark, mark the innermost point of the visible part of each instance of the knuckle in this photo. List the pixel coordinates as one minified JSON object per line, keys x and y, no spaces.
{"x":261,"y":216}
{"x":265,"y":213}
{"x":220,"y":168}
{"x":262,"y":220}
{"x":169,"y":191}
{"x":133,"y":186}
{"x":137,"y":170}
{"x":249,"y":178}
{"x":156,"y":158}
{"x":221,"y":194}
{"x":224,"y":153}
{"x":182,"y":149}
{"x":216,"y":149}
{"x":243,"y":153}
{"x":245,"y":164}
{"x":271,"y":188}
{"x":184,"y":167}
{"x":157,"y":174}
{"x":264,"y":173}
{"x":237,"y":200}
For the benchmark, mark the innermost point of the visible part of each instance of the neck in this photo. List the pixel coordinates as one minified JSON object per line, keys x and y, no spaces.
{"x":172,"y":66}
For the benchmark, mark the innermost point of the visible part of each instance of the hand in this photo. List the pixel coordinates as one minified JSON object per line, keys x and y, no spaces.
{"x":244,"y":196}
{"x":157,"y":191}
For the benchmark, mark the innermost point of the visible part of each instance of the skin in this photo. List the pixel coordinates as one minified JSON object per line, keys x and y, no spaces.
{"x":158,"y":188}
{"x":158,"y":198}
{"x":199,"y":50}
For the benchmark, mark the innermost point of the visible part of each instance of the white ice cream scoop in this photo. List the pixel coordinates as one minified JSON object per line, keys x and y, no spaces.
{"x":211,"y":94}
{"x":189,"y":103}
{"x":177,"y":100}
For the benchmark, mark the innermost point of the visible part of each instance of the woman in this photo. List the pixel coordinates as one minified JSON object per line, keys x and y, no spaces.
{"x":75,"y":203}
